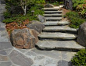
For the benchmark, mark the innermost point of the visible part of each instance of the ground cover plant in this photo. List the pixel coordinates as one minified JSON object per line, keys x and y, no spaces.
{"x":80,"y":6}
{"x":80,"y":58}
{"x":20,"y":12}
{"x":75,"y":19}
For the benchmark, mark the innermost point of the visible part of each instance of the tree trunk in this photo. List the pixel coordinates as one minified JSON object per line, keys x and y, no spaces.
{"x":25,"y":10}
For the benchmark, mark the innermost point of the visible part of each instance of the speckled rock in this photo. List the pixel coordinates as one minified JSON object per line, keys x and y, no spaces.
{"x":82,"y":35}
{"x":38,"y":26}
{"x":24,"y":38}
{"x":49,"y":6}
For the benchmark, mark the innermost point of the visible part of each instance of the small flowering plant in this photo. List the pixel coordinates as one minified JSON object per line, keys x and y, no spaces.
{"x":81,"y":8}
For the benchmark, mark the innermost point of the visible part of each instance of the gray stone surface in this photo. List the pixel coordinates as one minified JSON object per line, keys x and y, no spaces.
{"x":20,"y":59}
{"x":3,"y":52}
{"x":53,"y":18}
{"x":24,"y":38}
{"x":5,"y":45}
{"x":52,"y":12}
{"x":4,"y":36}
{"x":50,"y":9}
{"x":47,"y":44}
{"x":81,"y":39}
{"x":54,"y":15}
{"x":58,"y":56}
{"x":49,"y":6}
{"x":5,"y":63}
{"x":3,"y":58}
{"x":52,"y":53}
{"x":59,"y":28}
{"x":38,"y":26}
{"x":2,"y":29}
{"x":10,"y":56}
{"x":54,"y":23}
{"x":41,"y":18}
{"x":2,"y":25}
{"x":57,"y":35}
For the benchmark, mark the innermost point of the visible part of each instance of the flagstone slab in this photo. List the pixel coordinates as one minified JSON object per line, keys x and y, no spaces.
{"x":50,"y":9}
{"x":53,"y":18}
{"x":20,"y":59}
{"x":5,"y":45}
{"x":52,"y":12}
{"x":54,"y":15}
{"x":59,"y":28}
{"x":63,"y":36}
{"x":49,"y":44}
{"x":54,"y":23}
{"x":5,"y":63}
{"x":62,"y":57}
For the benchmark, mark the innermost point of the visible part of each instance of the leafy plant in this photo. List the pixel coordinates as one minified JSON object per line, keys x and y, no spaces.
{"x":80,"y":6}
{"x":40,"y":1}
{"x":19,"y":18}
{"x":71,"y":13}
{"x":9,"y":20}
{"x":7,"y":14}
{"x":77,"y":2}
{"x":80,"y":58}
{"x":76,"y":22}
{"x":56,"y":3}
{"x":75,"y":19}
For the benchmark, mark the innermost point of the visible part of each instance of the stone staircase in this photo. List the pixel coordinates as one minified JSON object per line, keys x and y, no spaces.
{"x":57,"y":34}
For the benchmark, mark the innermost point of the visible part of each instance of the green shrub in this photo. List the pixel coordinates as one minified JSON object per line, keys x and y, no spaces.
{"x":40,"y":1}
{"x":12,"y":19}
{"x":80,"y":6}
{"x":80,"y":58}
{"x":7,"y":14}
{"x":19,"y":18}
{"x":37,"y":10}
{"x":9,"y":20}
{"x":74,"y":14}
{"x":75,"y":19}
{"x":78,"y":2}
{"x":76,"y":22}
{"x":56,"y":3}
{"x":61,"y":2}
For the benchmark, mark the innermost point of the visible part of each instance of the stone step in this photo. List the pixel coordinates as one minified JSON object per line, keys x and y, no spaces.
{"x":54,"y":15}
{"x":59,"y":36}
{"x":53,"y":23}
{"x":50,"y":9}
{"x":59,"y":45}
{"x":59,"y":28}
{"x":53,"y":18}
{"x":52,"y":12}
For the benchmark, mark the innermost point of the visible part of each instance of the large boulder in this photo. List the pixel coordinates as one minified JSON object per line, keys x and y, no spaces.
{"x":41,"y":18}
{"x":36,"y":25}
{"x":24,"y":38}
{"x":82,"y":35}
{"x":49,"y":6}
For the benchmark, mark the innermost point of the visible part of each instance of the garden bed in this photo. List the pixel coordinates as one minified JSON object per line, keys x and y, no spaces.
{"x":14,"y":25}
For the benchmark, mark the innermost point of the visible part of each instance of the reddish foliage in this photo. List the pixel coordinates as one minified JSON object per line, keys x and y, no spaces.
{"x":11,"y":26}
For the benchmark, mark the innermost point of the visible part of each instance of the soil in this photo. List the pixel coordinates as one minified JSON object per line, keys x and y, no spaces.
{"x":65,"y":11}
{"x":14,"y":25}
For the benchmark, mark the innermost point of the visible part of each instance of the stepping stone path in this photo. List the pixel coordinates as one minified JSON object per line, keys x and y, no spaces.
{"x":51,"y":41}
{"x":57,"y":40}
{"x":57,"y":34}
